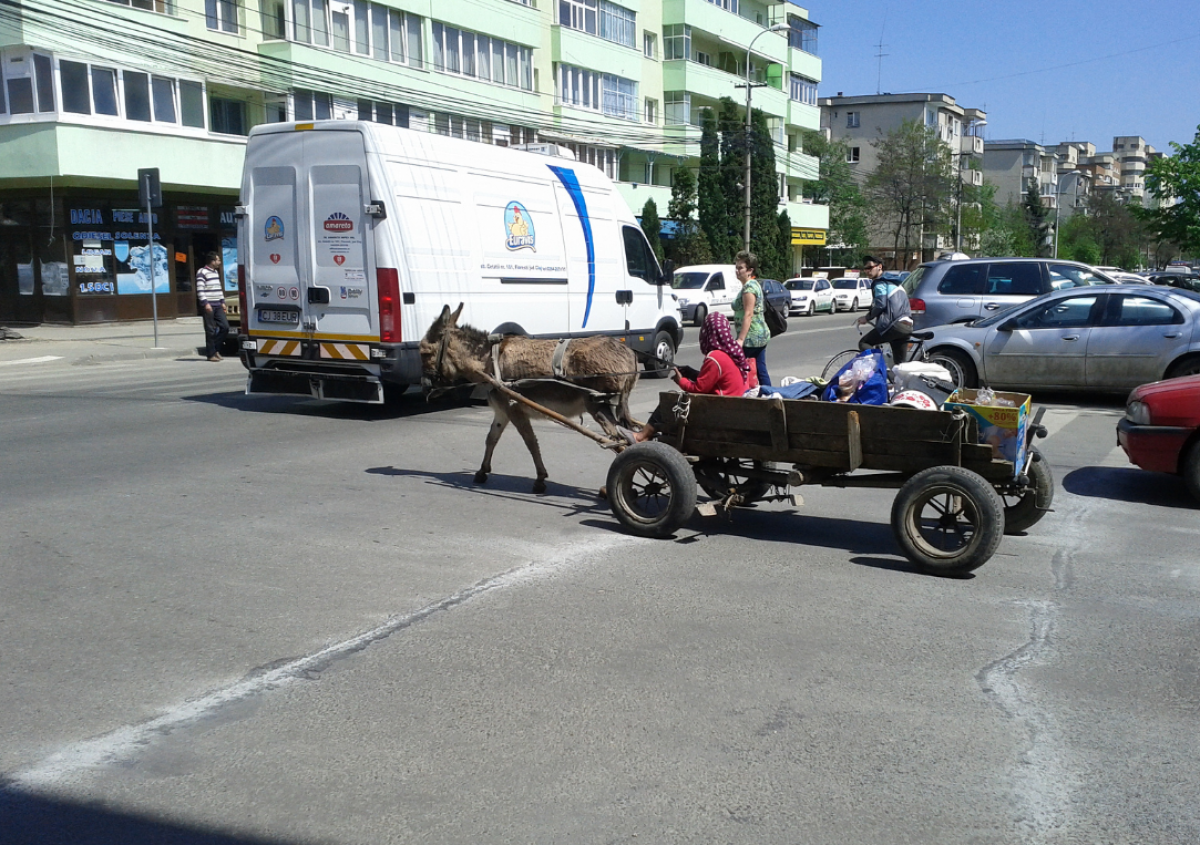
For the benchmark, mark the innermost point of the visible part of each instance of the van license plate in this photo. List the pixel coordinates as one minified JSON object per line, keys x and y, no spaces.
{"x":266,"y":316}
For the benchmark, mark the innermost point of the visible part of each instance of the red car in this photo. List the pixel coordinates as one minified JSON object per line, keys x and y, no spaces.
{"x":1161,"y":428}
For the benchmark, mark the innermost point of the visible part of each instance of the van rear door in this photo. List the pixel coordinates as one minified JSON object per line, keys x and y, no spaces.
{"x":339,"y":301}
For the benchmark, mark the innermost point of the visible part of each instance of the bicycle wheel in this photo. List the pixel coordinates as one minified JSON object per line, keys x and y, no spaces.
{"x":837,"y":362}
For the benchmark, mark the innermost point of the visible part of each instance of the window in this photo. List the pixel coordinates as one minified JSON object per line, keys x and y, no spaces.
{"x":1072,"y":275}
{"x":1072,"y":313}
{"x":163,"y":6}
{"x":962,"y":280}
{"x":651,"y":112}
{"x":221,"y":15}
{"x":852,"y":118}
{"x":228,"y":116}
{"x":44,"y":71}
{"x":852,"y":155}
{"x":191,"y":103}
{"x":677,"y":41}
{"x":274,"y":19}
{"x":727,"y":5}
{"x":650,"y":45}
{"x":104,"y":91}
{"x":639,"y":260}
{"x":311,"y":105}
{"x":481,"y":57}
{"x":73,"y":76}
{"x":1140,"y":311}
{"x":803,"y":90}
{"x":677,"y":110}
{"x":578,"y":14}
{"x":1014,"y":279}
{"x":393,"y":114}
{"x":605,"y":93}
{"x":802,"y":35}
{"x":162,"y":92}
{"x":137,"y":96}
{"x":617,"y":24}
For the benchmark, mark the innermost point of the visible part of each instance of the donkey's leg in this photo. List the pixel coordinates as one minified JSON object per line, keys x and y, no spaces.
{"x":499,"y":423}
{"x":521,"y":420}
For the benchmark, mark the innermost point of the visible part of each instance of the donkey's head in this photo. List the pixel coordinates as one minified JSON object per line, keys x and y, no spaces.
{"x":451,"y":353}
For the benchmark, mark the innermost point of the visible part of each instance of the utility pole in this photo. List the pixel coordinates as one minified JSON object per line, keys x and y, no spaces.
{"x":750,"y":86}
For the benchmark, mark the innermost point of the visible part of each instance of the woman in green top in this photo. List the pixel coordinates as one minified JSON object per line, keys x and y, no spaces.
{"x":748,"y":305}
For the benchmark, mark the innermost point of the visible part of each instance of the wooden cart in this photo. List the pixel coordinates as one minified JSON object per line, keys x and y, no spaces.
{"x":955,"y":499}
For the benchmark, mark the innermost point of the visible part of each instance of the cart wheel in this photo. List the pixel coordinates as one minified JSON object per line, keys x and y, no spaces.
{"x":1024,"y":506}
{"x":718,"y":477}
{"x":651,"y":489}
{"x":948,"y":520}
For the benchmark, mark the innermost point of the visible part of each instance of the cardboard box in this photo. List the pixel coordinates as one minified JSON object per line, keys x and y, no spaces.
{"x":1003,"y":427}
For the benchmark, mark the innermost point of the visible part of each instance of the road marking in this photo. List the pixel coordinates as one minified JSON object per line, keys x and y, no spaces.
{"x":124,"y":743}
{"x":40,"y":360}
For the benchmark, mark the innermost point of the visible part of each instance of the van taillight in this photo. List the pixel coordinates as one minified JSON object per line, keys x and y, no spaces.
{"x":389,"y":304}
{"x":243,"y":316}
{"x":917,"y":306}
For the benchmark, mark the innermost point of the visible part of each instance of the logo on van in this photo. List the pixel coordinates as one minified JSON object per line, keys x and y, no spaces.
{"x":273,"y":230}
{"x":338,"y":222}
{"x":519,"y":226}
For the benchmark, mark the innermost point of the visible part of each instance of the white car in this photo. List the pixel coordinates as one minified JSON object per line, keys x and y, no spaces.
{"x":700,"y":289}
{"x":850,"y":294}
{"x":809,"y":296}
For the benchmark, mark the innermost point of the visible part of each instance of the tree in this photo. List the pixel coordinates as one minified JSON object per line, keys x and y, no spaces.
{"x":1009,"y":234}
{"x":1036,"y":218}
{"x":1076,"y":240}
{"x":786,"y":270}
{"x":652,"y":227}
{"x":733,"y":166}
{"x":978,"y":214}
{"x":1176,"y":178}
{"x":712,"y":207}
{"x":910,"y":189}
{"x":764,"y":202}
{"x":690,"y":244}
{"x":1116,"y":229}
{"x":836,"y":188}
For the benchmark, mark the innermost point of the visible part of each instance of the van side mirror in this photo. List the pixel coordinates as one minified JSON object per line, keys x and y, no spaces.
{"x":668,"y":272}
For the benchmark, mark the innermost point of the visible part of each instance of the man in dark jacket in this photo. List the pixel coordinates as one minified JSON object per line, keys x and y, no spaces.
{"x":889,"y":311}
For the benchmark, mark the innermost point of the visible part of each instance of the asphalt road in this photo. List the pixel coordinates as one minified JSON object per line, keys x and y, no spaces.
{"x":231,"y":619}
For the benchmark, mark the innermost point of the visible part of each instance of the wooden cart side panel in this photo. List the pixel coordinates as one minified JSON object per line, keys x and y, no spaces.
{"x":817,"y":433}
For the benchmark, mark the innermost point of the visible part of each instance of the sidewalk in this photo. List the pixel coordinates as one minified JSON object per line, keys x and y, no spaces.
{"x":179,"y":338}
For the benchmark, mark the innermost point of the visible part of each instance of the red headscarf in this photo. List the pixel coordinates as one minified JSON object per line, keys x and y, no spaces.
{"x":716,"y":334}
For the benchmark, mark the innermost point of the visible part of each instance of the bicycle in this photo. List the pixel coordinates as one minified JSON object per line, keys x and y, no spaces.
{"x":916,"y":352}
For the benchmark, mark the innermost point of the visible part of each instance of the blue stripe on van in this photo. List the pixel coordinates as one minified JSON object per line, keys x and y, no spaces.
{"x":567,"y":177}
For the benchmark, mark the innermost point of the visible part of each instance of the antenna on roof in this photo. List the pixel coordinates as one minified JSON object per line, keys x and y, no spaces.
{"x":879,"y":55}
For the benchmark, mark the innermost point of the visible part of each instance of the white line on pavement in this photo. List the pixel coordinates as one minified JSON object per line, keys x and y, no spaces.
{"x":40,"y":360}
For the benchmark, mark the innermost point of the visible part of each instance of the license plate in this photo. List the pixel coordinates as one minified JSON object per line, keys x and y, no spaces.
{"x":268,"y":316}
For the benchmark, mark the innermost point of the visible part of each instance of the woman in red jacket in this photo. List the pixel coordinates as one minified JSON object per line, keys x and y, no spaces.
{"x":726,"y":370}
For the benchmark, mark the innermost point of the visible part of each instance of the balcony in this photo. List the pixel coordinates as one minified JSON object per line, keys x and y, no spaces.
{"x":971,"y":177}
{"x":713,"y":84}
{"x":971,"y":145}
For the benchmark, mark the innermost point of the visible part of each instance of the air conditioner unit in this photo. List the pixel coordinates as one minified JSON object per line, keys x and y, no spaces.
{"x":18,"y":67}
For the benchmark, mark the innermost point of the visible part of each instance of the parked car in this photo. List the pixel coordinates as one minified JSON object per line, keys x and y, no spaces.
{"x":810,"y":295}
{"x":1123,"y":278}
{"x":941,"y":292}
{"x":1186,"y":281}
{"x":1109,"y":338}
{"x":702,"y":288}
{"x":1161,"y":429}
{"x":850,"y":294}
{"x":778,"y":297}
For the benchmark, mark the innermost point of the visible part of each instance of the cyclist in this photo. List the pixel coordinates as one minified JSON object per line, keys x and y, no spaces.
{"x":889,"y":311}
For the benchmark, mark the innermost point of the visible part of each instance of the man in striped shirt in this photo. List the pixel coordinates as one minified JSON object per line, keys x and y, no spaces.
{"x":211,"y":293}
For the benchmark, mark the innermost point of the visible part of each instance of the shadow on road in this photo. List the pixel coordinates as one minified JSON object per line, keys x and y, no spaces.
{"x":513,"y":487}
{"x":29,"y":819}
{"x":1130,"y":484}
{"x":409,"y":405}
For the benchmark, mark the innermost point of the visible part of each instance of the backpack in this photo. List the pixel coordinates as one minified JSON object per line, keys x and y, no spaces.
{"x":776,"y":322}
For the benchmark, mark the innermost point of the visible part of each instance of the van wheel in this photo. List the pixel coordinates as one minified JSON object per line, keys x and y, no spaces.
{"x":664,"y":352}
{"x":700,"y":315}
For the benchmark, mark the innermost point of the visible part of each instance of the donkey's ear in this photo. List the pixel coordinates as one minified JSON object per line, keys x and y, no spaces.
{"x":455,"y":315}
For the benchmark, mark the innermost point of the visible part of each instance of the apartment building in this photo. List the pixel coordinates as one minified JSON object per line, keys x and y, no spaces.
{"x":94,"y":90}
{"x":1013,"y":166}
{"x":860,"y":120}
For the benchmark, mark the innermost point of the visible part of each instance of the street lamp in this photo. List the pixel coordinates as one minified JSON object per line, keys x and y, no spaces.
{"x":779,"y":27}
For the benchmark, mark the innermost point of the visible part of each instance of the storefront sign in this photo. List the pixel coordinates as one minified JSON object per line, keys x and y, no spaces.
{"x":191,"y":216}
{"x":808,"y":237}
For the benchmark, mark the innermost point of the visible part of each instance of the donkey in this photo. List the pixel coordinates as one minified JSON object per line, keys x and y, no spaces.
{"x":452,"y":353}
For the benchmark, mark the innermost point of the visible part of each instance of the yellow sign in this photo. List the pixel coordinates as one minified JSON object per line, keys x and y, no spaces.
{"x":808,"y":237}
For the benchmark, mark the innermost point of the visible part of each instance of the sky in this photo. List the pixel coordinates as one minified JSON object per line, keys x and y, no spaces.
{"x":1049,"y":71}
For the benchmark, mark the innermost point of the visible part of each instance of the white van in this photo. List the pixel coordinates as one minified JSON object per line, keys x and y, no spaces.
{"x":353,"y":236}
{"x":700,"y":289}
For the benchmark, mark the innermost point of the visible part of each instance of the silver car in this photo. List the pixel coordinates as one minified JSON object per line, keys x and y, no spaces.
{"x":1109,"y":338}
{"x":941,"y":292}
